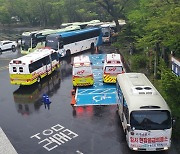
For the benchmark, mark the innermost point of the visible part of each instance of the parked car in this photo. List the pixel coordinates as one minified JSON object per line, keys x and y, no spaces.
{"x":7,"y":45}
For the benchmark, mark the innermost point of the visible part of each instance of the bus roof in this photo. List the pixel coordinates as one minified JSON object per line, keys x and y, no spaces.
{"x":52,"y":31}
{"x":32,"y":57}
{"x":71,"y":33}
{"x":139,"y":92}
{"x":43,"y":32}
{"x":82,"y":60}
{"x":113,"y":59}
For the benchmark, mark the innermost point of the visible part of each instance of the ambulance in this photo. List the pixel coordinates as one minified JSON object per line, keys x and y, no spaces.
{"x":112,"y":67}
{"x":82,"y":74}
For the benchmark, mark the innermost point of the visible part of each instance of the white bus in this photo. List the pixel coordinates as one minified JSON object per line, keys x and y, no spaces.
{"x":68,"y":43}
{"x":145,"y":116}
{"x":31,"y":68}
{"x":31,"y":41}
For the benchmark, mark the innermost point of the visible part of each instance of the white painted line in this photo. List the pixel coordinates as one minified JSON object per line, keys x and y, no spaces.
{"x":95,"y":91}
{"x":54,"y":137}
{"x":4,"y":67}
{"x":5,"y":145}
{"x":79,"y":152}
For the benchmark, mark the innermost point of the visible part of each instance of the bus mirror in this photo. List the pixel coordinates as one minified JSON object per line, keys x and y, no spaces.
{"x":128,"y":127}
{"x":173,"y":121}
{"x":61,"y":45}
{"x":102,"y":61}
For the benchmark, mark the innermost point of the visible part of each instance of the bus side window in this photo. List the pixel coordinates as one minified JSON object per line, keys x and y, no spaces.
{"x":31,"y":68}
{"x":119,"y":92}
{"x":125,"y":110}
{"x":47,"y":60}
{"x":54,"y":56}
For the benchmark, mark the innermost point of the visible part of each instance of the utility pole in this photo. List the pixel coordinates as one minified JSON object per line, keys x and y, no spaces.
{"x":156,"y":59}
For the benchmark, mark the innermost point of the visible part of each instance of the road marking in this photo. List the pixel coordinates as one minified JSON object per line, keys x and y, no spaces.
{"x":53,"y":137}
{"x":6,"y":59}
{"x":5,"y":144}
{"x":4,"y":68}
{"x":79,"y":152}
{"x":100,"y":98}
{"x":97,"y":91}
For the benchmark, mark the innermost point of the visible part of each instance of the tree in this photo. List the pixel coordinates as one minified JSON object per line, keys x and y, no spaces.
{"x":156,"y":22}
{"x":115,"y":8}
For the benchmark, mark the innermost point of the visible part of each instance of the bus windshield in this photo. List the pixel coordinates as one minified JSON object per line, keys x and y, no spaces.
{"x":106,"y":32}
{"x":26,"y":42}
{"x":150,"y":120}
{"x":52,"y":42}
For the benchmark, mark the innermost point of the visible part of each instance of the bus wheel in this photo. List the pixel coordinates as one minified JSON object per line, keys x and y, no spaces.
{"x":39,"y":79}
{"x":92,"y":48}
{"x":0,"y":51}
{"x":13,"y":48}
{"x":74,"y":87}
{"x":68,"y":53}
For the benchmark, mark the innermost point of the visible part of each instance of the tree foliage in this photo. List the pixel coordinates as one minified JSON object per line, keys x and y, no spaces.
{"x":156,"y":21}
{"x":54,"y":12}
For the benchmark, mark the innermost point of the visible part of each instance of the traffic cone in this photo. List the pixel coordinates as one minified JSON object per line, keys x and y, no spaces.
{"x":73,"y":100}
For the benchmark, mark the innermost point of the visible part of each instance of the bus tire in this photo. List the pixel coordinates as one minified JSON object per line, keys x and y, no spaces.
{"x":74,"y":87}
{"x":0,"y":51}
{"x":92,"y":48}
{"x":39,"y":79}
{"x":13,"y":48}
{"x":68,"y":53}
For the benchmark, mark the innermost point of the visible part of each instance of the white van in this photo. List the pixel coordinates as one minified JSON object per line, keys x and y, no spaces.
{"x":112,"y":67}
{"x":82,"y":74}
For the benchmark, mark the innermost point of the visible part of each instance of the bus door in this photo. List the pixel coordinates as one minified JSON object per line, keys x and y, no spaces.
{"x":47,"y":65}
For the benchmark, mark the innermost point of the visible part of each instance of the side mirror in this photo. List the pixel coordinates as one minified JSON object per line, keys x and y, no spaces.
{"x":128,"y":127}
{"x":173,"y":121}
{"x":102,"y":61}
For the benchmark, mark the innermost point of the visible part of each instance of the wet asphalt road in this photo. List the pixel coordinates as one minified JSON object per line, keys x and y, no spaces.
{"x":34,"y":128}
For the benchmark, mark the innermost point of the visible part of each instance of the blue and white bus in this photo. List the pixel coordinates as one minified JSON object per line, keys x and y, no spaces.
{"x":68,"y":43}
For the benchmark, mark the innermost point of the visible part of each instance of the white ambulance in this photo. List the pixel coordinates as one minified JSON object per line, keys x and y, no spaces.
{"x":82,"y":74}
{"x":112,"y":67}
